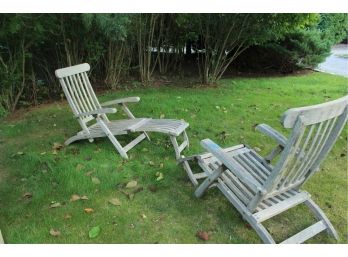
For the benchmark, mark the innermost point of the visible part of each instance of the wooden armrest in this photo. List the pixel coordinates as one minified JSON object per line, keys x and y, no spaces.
{"x":133,"y":99}
{"x":232,"y":165}
{"x":272,"y":133}
{"x":96,"y":112}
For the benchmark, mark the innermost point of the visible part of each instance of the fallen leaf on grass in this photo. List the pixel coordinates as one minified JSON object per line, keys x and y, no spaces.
{"x":159,"y":176}
{"x":89,"y":173}
{"x":79,"y":167}
{"x":57,"y":146}
{"x":161,"y":165}
{"x":95,"y":180}
{"x":115,"y":201}
{"x":67,"y":216}
{"x":131,"y":184}
{"x":27,"y":195}
{"x":94,"y":232}
{"x":55,"y":205}
{"x":143,"y":216}
{"x":17,"y":154}
{"x":203,"y":235}
{"x":88,"y":210}
{"x":54,"y":232}
{"x":75,"y":198}
{"x":151,"y":163}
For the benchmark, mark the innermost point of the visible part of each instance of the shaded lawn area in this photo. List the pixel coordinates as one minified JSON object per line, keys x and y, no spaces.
{"x":164,"y":211}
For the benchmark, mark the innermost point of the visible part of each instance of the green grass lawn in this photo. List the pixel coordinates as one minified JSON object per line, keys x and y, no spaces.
{"x":162,"y":211}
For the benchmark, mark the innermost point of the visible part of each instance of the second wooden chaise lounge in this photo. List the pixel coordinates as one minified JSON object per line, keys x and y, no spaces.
{"x":87,"y":109}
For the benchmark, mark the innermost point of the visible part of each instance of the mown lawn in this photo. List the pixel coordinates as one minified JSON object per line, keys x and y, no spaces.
{"x":162,"y":211}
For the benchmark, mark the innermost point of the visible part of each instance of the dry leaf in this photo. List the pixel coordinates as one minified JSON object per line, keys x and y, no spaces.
{"x":55,"y":205}
{"x":159,"y":176}
{"x":89,"y":173}
{"x":75,"y":198}
{"x":84,"y":197}
{"x":54,"y":232}
{"x":79,"y":167}
{"x":27,"y":195}
{"x":151,"y":163}
{"x":88,"y":210}
{"x":143,"y":216}
{"x":161,"y":165}
{"x":131,"y":184}
{"x":67,"y":216}
{"x":57,"y":146}
{"x":115,"y":201}
{"x":95,"y":180}
{"x":162,"y":116}
{"x":203,"y":235}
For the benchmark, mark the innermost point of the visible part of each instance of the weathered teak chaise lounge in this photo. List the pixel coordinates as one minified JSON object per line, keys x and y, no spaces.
{"x":259,"y":190}
{"x":86,"y":109}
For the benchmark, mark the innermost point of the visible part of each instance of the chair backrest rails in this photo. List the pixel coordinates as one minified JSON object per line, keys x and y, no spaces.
{"x":315,"y":130}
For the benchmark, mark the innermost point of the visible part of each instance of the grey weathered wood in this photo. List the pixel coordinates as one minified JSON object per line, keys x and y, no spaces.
{"x":320,"y":215}
{"x":272,"y":133}
{"x":260,"y":190}
{"x":233,"y":166}
{"x":122,"y":100}
{"x":281,"y":207}
{"x":315,"y":113}
{"x":96,"y":112}
{"x":86,"y":108}
{"x":306,"y":234}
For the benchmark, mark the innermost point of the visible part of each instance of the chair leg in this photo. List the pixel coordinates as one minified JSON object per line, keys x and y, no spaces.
{"x":189,"y":172}
{"x":320,"y":215}
{"x":112,"y":138}
{"x":261,"y":231}
{"x":73,"y":139}
{"x":179,"y":148}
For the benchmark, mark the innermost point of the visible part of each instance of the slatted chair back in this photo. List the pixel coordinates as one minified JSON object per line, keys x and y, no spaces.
{"x":78,"y":91}
{"x":315,"y":129}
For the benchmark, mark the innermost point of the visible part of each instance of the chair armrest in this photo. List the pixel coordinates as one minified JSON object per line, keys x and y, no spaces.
{"x":96,"y":112}
{"x":271,"y":132}
{"x":134,"y":99}
{"x":232,"y":165}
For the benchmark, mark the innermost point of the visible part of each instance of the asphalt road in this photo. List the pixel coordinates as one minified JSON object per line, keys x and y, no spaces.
{"x":336,"y":63}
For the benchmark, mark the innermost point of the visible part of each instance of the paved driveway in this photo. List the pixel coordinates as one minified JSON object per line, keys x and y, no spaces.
{"x":336,"y":63}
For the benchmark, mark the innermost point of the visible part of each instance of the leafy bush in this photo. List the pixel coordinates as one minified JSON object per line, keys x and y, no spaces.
{"x":305,"y":47}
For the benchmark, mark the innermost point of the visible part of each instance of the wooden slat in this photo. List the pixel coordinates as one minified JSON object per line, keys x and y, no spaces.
{"x":306,"y":233}
{"x":140,"y":123}
{"x":281,"y":207}
{"x":68,"y":71}
{"x":315,"y":113}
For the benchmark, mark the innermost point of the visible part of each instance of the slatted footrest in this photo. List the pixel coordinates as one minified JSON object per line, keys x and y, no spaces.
{"x":280,"y":207}
{"x":306,"y":233}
